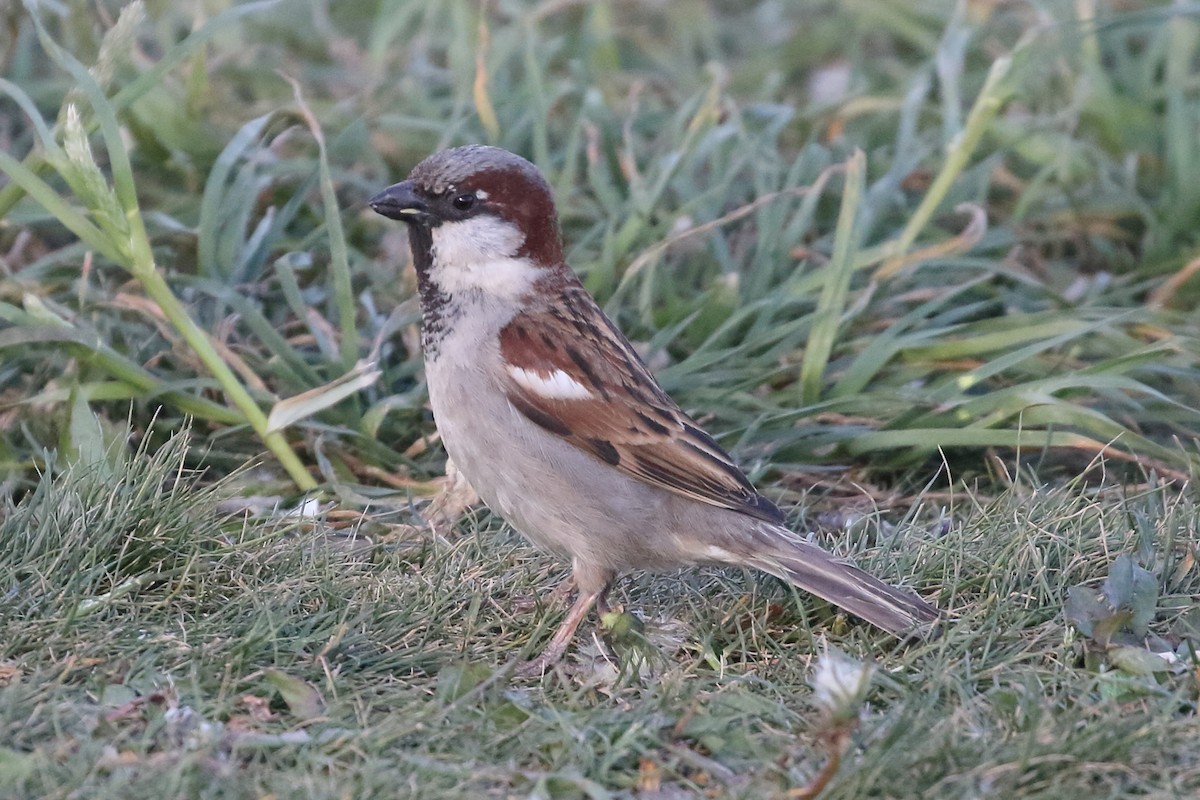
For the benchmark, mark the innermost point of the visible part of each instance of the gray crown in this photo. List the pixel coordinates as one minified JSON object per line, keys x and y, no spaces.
{"x":447,"y":168}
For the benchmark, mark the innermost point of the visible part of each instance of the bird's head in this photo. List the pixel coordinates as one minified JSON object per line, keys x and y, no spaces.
{"x":480,"y":217}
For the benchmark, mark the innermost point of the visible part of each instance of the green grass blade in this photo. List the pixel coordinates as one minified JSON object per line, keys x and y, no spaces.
{"x":832,"y":304}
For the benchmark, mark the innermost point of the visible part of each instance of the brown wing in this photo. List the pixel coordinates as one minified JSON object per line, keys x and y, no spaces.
{"x":574,"y":374}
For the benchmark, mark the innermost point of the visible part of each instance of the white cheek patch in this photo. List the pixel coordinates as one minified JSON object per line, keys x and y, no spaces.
{"x":482,"y":238}
{"x":480,"y":254}
{"x":557,"y":385}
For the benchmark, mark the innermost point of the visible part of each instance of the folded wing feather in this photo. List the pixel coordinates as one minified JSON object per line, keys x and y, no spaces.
{"x":571,"y":372}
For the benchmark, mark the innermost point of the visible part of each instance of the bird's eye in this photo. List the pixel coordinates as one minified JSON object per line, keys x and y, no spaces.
{"x":464,"y":202}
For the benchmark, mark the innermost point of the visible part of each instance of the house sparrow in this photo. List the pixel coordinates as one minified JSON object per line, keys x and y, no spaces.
{"x":553,"y":418}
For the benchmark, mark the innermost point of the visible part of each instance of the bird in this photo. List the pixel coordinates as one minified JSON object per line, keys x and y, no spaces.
{"x":550,"y":414}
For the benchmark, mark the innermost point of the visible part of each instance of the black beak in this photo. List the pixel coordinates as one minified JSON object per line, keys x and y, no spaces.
{"x":401,"y":202}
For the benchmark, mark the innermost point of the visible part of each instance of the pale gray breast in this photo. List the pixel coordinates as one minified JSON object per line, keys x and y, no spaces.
{"x":462,"y":374}
{"x":552,"y":492}
{"x":559,"y":496}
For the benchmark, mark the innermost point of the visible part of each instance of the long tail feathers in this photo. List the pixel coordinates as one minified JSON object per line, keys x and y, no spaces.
{"x":896,"y":611}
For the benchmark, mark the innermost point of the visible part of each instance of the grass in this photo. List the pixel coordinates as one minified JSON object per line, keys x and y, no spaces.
{"x":927,"y":269}
{"x":295,"y":661}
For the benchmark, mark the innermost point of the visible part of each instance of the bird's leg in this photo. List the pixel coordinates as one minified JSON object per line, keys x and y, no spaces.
{"x":602,"y":606}
{"x":593,"y":583}
{"x":562,"y":637}
{"x":560,"y":595}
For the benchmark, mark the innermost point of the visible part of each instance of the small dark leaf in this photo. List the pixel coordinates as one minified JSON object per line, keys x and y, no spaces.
{"x":1118,"y":586}
{"x":1084,"y":608}
{"x":1133,"y":588}
{"x":1104,"y":630}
